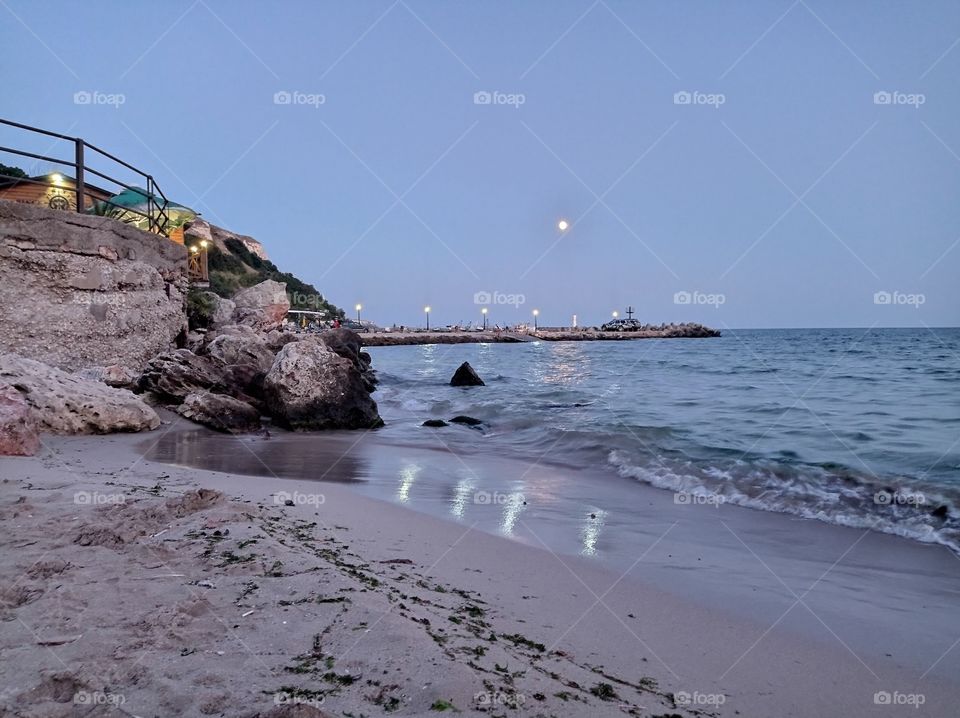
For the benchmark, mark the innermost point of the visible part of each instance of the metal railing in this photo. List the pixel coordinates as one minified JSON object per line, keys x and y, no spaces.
{"x":157,"y":203}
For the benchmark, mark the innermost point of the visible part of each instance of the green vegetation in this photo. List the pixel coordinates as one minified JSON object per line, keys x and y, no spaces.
{"x":200,"y":309}
{"x":12,"y":171}
{"x":238,"y":268}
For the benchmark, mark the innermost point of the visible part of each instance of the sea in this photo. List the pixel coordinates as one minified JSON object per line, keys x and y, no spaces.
{"x":854,"y":427}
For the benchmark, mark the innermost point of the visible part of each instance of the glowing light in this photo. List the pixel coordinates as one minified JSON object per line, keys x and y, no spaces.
{"x":563,"y":225}
{"x":536,"y":312}
{"x":57,"y":178}
{"x":359,"y":307}
{"x":616,"y":314}
{"x":426,"y":309}
{"x":483,"y":311}
{"x":194,"y":248}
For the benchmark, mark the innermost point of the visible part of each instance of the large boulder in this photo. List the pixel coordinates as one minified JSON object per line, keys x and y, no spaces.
{"x":174,"y":375}
{"x":223,"y":413}
{"x":347,"y":343}
{"x":262,"y":306}
{"x":18,"y":433}
{"x":466,"y":375}
{"x":232,"y":350}
{"x":63,"y":403}
{"x":223,"y":310}
{"x":310,"y":386}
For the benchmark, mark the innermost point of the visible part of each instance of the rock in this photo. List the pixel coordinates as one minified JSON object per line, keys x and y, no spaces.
{"x":288,"y":502}
{"x":66,"y":404}
{"x":941,"y":512}
{"x":278,"y":339}
{"x":18,"y":433}
{"x":245,"y":383}
{"x":232,"y":349}
{"x":466,"y":420}
{"x":347,"y":343}
{"x":435,"y":423}
{"x":220,"y":412}
{"x":262,"y":306}
{"x":223,"y":310}
{"x":79,"y":290}
{"x":466,"y":376}
{"x":174,"y":375}
{"x":311,"y":387}
{"x":115,"y":375}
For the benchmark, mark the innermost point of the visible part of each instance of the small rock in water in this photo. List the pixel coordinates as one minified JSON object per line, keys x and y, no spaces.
{"x":465,"y":375}
{"x":467,"y":420}
{"x":941,"y":512}
{"x":288,"y":502}
{"x":435,"y":423}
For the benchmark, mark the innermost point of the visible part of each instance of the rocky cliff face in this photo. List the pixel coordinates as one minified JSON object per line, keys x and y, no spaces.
{"x":80,"y":291}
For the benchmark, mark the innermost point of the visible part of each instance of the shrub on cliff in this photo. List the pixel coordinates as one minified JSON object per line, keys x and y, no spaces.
{"x":238,"y":268}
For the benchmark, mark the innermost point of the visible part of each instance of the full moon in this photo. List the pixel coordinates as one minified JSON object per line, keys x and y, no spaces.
{"x":563,"y":225}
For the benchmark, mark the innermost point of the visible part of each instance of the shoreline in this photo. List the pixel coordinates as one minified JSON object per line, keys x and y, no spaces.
{"x":195,"y":649}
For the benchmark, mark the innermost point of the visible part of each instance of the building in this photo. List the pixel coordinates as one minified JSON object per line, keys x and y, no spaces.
{"x":54,"y":190}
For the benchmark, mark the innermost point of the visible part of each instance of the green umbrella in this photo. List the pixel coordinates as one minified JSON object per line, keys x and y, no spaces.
{"x":132,"y":206}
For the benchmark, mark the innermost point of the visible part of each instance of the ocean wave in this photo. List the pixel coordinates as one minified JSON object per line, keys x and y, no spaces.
{"x":907,"y":508}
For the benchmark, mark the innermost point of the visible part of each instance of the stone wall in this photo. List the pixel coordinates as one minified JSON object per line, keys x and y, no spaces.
{"x":79,"y":291}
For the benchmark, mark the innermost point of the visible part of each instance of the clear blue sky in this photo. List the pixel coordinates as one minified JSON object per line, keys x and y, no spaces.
{"x":796,"y":199}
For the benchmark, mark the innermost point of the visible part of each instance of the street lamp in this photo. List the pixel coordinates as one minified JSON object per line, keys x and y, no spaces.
{"x":563,"y":225}
{"x":426,"y":310}
{"x":359,"y":307}
{"x":484,"y":313}
{"x":536,"y":313}
{"x":616,"y":314}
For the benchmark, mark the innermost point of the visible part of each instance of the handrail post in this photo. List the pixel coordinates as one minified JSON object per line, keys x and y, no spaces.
{"x":150,"y":202}
{"x":81,"y":194}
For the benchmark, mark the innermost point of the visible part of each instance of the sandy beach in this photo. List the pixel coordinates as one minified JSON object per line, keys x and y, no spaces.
{"x":159,"y":590}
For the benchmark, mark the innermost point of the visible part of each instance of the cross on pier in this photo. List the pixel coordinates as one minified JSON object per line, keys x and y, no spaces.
{"x":629,"y":312}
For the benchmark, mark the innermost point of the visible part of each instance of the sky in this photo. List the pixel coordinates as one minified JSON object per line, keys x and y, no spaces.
{"x":784,"y":163}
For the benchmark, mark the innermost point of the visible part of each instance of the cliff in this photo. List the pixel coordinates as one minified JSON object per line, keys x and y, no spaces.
{"x":79,"y":290}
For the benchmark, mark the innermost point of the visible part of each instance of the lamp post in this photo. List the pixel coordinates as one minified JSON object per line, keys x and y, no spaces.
{"x":616,"y":314}
{"x":484,"y":313}
{"x":536,"y":313}
{"x":426,"y":310}
{"x":359,"y":307}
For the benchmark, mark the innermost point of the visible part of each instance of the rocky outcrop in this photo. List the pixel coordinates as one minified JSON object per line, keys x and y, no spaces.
{"x":79,"y":290}
{"x":221,"y":235}
{"x":347,"y":343}
{"x":262,"y":306}
{"x":465,"y":375}
{"x":172,"y":376}
{"x":18,"y":433}
{"x":219,"y":412}
{"x":223,"y":310}
{"x":232,"y":349}
{"x":310,"y":387}
{"x":63,"y":403}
